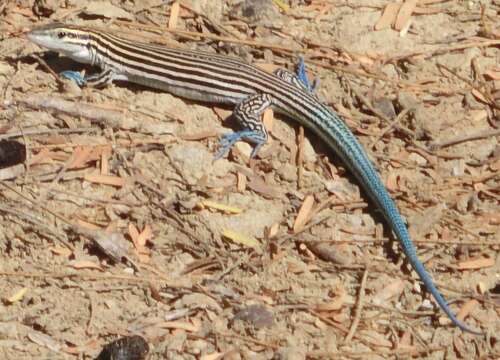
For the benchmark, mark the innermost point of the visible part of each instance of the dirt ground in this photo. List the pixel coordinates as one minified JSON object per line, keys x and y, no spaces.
{"x":120,"y":223}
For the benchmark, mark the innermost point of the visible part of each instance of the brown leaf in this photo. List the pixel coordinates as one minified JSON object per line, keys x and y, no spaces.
{"x":304,"y":214}
{"x":466,"y":309}
{"x":388,"y":17}
{"x":477,"y":263}
{"x":404,"y":14}
{"x":174,"y":15}
{"x":105,"y":179}
{"x":85,"y":264}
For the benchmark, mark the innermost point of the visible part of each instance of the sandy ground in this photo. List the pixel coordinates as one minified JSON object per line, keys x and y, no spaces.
{"x":280,"y":257}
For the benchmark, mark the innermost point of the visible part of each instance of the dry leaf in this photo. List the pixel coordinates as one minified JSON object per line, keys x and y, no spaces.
{"x":17,"y":296}
{"x":270,"y":68}
{"x":105,"y":179}
{"x":239,"y":238}
{"x":492,"y":74}
{"x":241,"y":182}
{"x":268,"y":120}
{"x":62,"y":251}
{"x":180,"y":325}
{"x":40,"y":338}
{"x":478,"y":95}
{"x":304,"y":214}
{"x":388,"y":17}
{"x":145,"y":235}
{"x":80,"y":157}
{"x":174,"y":15}
{"x":221,"y":207}
{"x":85,"y":264}
{"x":466,"y":309}
{"x":133,"y":232}
{"x":478,"y":263}
{"x":404,"y":14}
{"x":213,"y":356}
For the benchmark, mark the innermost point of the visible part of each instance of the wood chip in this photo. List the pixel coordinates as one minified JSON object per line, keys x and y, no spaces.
{"x":17,"y":296}
{"x":174,"y":15}
{"x":105,"y":179}
{"x":239,"y":238}
{"x":220,"y":207}
{"x":85,"y":264}
{"x":304,"y":214}
{"x":404,"y":14}
{"x":388,"y":17}
{"x":241,"y":182}
{"x":478,"y":263}
{"x":268,"y":120}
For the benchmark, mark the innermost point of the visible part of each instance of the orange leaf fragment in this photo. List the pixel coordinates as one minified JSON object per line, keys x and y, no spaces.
{"x":388,"y":17}
{"x":139,"y":240}
{"x":478,"y":263}
{"x":85,"y":264}
{"x":42,"y":157}
{"x":478,"y":95}
{"x":304,"y":214}
{"x":81,"y":155}
{"x":145,"y":235}
{"x":268,"y":120}
{"x":270,"y":68}
{"x":105,"y":179}
{"x":174,"y":15}
{"x":492,"y":74}
{"x":17,"y":296}
{"x":392,"y":181}
{"x":134,"y":233}
{"x":61,"y":251}
{"x":467,"y":308}
{"x":87,"y":225}
{"x":241,"y":182}
{"x":213,"y":356}
{"x":404,"y":14}
{"x":180,"y":325}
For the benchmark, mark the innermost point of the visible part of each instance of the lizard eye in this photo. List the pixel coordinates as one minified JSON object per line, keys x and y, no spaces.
{"x":61,"y":34}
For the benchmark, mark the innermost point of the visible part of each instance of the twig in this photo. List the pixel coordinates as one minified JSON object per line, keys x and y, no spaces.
{"x":210,"y":36}
{"x":460,"y":139}
{"x":46,"y":131}
{"x":442,"y":50}
{"x":359,"y":308}
{"x":112,"y":118}
{"x":393,"y":124}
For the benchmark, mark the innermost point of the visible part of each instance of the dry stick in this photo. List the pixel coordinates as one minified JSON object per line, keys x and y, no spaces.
{"x":112,"y":118}
{"x":483,"y":134}
{"x":58,"y":216}
{"x":393,"y":124}
{"x":82,"y":276}
{"x":210,"y":36}
{"x":300,"y":158}
{"x":443,"y":50}
{"x":372,"y":354}
{"x":46,"y":131}
{"x":48,"y":68}
{"x":359,"y":308}
{"x":95,"y":236}
{"x":33,"y":220}
{"x":487,"y":97}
